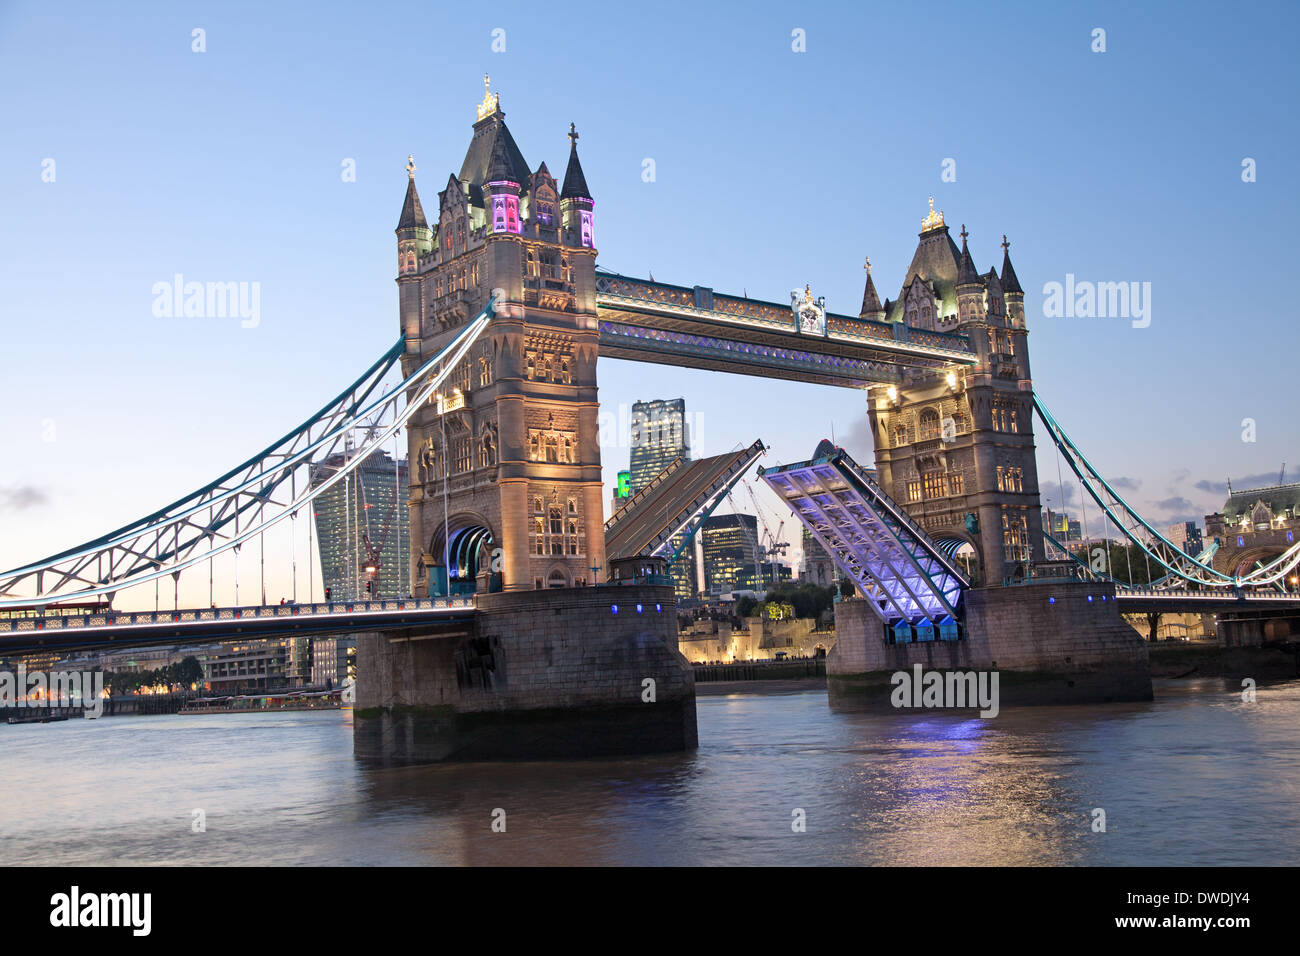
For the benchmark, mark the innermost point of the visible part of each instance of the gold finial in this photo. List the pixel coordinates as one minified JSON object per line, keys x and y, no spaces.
{"x":1005,"y":245}
{"x":491,"y":101}
{"x":867,"y":265}
{"x":933,"y":220}
{"x":573,"y":135}
{"x":410,"y":165}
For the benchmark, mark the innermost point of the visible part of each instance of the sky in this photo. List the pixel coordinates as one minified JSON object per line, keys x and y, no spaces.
{"x":129,"y":157}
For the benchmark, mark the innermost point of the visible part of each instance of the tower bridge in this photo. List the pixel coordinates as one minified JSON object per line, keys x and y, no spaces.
{"x":503,"y":315}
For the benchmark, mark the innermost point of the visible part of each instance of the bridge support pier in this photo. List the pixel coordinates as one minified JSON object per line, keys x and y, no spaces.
{"x":1050,"y":643}
{"x":560,"y":673}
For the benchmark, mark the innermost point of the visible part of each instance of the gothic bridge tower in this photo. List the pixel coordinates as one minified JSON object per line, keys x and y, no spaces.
{"x":957,"y":448}
{"x":509,"y":457}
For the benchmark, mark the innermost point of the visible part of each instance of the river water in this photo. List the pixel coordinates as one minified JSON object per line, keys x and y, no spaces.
{"x":1197,"y":777}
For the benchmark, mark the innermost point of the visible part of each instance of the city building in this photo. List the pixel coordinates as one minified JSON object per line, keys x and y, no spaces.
{"x":360,"y":524}
{"x":816,"y":567}
{"x":729,"y":543}
{"x":1061,"y":526}
{"x":1256,"y":509}
{"x":659,"y":437}
{"x":333,"y":660}
{"x":1187,"y":536}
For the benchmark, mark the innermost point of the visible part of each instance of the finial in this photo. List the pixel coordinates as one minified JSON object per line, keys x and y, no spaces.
{"x":1005,"y":245}
{"x":963,"y":233}
{"x":410,"y":165}
{"x":491,"y":102}
{"x":573,"y":136}
{"x":933,"y":220}
{"x":807,"y":291}
{"x":867,"y":265}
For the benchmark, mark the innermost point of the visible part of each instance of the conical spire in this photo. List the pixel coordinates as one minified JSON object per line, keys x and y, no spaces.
{"x":1009,"y":281}
{"x":575,"y":184}
{"x":499,"y":168}
{"x":871,"y":307}
{"x":966,"y":272}
{"x":412,"y":211}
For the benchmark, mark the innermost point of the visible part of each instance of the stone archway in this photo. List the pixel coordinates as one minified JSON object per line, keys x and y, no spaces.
{"x":466,"y":547}
{"x":964,"y":550}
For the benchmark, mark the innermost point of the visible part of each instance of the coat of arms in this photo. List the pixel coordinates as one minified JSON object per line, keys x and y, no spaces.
{"x":809,"y":313}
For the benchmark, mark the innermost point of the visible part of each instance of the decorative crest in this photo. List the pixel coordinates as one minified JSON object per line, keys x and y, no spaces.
{"x":491,"y":101}
{"x":867,"y":265}
{"x":410,"y":165}
{"x":809,"y":313}
{"x":933,"y":220}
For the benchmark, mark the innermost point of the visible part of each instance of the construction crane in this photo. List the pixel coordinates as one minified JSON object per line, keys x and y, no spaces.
{"x":775,"y":546}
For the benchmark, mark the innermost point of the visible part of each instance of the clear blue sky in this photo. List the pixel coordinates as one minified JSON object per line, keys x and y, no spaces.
{"x":774,"y":169}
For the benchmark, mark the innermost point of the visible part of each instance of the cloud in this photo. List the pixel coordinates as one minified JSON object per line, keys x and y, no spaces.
{"x":1050,"y":491}
{"x":22,"y":498}
{"x":1125,"y":484}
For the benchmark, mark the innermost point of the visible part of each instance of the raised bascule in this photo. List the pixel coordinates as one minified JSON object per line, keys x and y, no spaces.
{"x":537,"y":628}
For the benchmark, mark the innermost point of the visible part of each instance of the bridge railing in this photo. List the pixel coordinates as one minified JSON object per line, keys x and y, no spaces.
{"x":1219,"y":596}
{"x":108,"y":619}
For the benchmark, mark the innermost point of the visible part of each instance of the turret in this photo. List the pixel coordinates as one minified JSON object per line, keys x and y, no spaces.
{"x":577,"y":208}
{"x":1015,"y":295}
{"x":414,"y":239}
{"x":501,"y":191}
{"x":871,"y":307}
{"x":970,"y":287}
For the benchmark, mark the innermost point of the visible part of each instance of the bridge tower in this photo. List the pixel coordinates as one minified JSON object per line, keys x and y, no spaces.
{"x":957,"y":447}
{"x":509,"y":457}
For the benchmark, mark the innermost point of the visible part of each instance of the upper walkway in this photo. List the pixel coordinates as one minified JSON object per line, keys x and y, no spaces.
{"x":648,"y":321}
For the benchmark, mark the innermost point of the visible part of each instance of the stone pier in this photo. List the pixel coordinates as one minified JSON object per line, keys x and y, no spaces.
{"x":1051,"y":643}
{"x":557,"y":673}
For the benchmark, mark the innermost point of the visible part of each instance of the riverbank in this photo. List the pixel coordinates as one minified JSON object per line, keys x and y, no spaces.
{"x":1176,"y":660}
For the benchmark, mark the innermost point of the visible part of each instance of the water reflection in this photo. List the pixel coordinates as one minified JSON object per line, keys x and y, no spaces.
{"x":1194,"y":777}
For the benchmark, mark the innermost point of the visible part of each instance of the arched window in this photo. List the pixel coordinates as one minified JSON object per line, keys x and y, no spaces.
{"x":929,"y":424}
{"x":557,"y":579}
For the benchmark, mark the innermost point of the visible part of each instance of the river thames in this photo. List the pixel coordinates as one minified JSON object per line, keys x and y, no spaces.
{"x":1197,"y":777}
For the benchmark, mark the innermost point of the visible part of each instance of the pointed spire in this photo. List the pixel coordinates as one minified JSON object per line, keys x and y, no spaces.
{"x":1009,"y":281}
{"x":966,"y":272}
{"x":412,"y":212}
{"x":871,"y":307}
{"x":575,"y":184}
{"x":499,"y":168}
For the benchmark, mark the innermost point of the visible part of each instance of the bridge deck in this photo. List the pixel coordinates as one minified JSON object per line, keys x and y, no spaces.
{"x":870,"y":537}
{"x":23,"y":635}
{"x":677,"y":500}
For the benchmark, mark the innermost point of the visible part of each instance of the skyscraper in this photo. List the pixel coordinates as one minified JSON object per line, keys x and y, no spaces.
{"x":360,"y":524}
{"x":729,"y":544}
{"x":660,"y":436}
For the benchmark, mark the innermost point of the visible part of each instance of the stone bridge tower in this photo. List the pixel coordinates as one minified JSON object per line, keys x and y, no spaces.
{"x":957,"y":448}
{"x":505,"y":468}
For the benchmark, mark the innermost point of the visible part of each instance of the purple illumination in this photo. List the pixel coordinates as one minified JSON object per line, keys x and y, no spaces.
{"x":588,"y":225}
